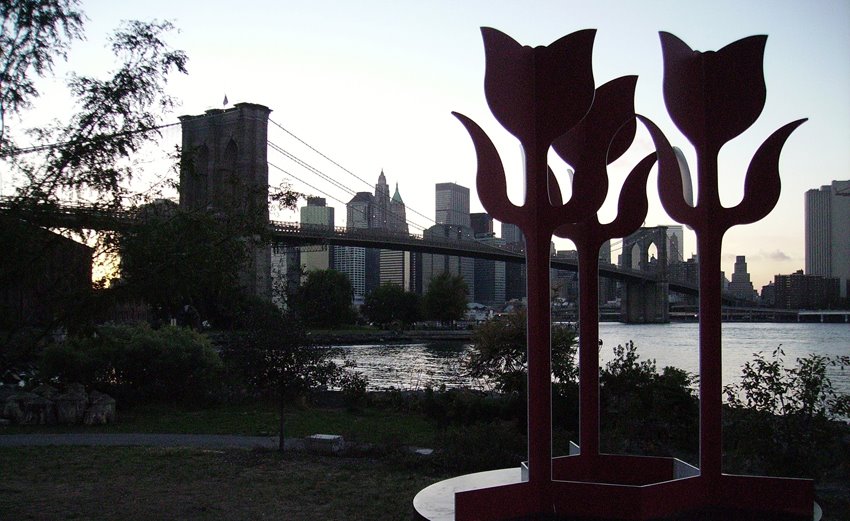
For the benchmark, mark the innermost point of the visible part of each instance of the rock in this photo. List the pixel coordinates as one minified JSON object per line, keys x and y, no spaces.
{"x":75,"y":388}
{"x":101,"y":409}
{"x":29,"y":409}
{"x":46,"y":391}
{"x":71,"y":407}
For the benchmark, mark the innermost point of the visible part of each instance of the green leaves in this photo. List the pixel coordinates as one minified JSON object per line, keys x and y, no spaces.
{"x":33,"y":34}
{"x":445,"y":299}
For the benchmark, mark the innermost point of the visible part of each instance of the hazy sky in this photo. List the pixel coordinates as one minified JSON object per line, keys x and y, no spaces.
{"x":371,"y":84}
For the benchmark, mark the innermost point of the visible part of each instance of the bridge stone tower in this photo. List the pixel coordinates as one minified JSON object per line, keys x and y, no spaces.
{"x":224,"y":170}
{"x":648,"y":301}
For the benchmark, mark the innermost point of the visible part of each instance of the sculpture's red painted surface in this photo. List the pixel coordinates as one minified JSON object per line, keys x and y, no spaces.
{"x":545,"y":96}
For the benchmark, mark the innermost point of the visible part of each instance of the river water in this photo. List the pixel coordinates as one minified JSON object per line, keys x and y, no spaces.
{"x":417,"y":365}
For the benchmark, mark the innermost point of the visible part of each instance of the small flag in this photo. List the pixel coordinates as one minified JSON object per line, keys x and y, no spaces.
{"x":225,"y":100}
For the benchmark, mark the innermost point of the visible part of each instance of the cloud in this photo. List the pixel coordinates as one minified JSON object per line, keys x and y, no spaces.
{"x":775,"y":255}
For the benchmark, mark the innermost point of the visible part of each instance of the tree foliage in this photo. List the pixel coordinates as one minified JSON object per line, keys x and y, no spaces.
{"x":273,"y":354}
{"x":644,"y":411}
{"x":500,"y":354}
{"x":174,"y":258}
{"x":389,"y":303}
{"x":136,"y":363}
{"x":89,"y":155}
{"x":786,"y":420}
{"x":33,"y":35}
{"x":324,"y":300}
{"x":445,"y":299}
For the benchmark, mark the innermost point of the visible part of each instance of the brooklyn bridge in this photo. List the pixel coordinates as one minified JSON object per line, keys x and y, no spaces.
{"x":228,"y":168}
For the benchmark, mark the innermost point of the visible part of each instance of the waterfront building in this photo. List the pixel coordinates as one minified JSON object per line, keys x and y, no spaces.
{"x":320,"y":256}
{"x":827,"y":212}
{"x":452,"y":222}
{"x":489,"y":274}
{"x":675,"y":243}
{"x":435,"y":264}
{"x":397,"y":266}
{"x":513,"y":237}
{"x":800,"y":291}
{"x":481,"y":223}
{"x":352,"y":260}
{"x":452,"y":204}
{"x":741,"y":286}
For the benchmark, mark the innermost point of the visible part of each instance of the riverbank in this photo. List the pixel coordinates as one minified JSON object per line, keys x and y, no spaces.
{"x":367,"y":336}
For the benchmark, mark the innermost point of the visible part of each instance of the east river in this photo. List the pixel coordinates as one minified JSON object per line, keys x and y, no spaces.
{"x":417,"y":365}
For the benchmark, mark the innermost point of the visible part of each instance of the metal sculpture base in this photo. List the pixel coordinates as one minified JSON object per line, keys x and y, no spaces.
{"x":615,"y":487}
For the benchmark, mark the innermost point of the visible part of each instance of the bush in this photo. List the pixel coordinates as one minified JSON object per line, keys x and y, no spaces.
{"x":137,"y":363}
{"x":785,"y":421}
{"x":482,"y":446}
{"x":500,"y":356}
{"x":646,"y":412}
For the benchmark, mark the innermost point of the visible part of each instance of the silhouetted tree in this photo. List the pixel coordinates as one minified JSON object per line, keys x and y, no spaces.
{"x":389,"y":303}
{"x":500,"y":354}
{"x":445,"y":299}
{"x":324,"y":300}
{"x":273,"y":354}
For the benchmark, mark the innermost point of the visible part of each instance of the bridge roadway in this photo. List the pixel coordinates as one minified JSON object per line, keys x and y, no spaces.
{"x":293,"y":233}
{"x":298,"y":234}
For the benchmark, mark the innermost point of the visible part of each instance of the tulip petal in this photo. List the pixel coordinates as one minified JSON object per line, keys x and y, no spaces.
{"x":633,"y":204}
{"x":670,"y":189}
{"x":490,"y":180}
{"x":538,"y":94}
{"x":763,"y":184}
{"x":555,"y":198}
{"x":713,"y":96}
{"x":603,"y":135}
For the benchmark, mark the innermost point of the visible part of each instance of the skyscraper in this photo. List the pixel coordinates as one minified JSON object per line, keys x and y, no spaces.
{"x":317,"y":213}
{"x":828,"y":233}
{"x":675,"y":243}
{"x":396,"y":266}
{"x":452,"y":204}
{"x":352,"y":260}
{"x":741,"y":286}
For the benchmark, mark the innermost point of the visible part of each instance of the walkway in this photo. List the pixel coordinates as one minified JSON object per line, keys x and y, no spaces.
{"x":206,"y":441}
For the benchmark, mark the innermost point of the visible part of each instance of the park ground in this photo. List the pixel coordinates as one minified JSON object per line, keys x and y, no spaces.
{"x":376,"y":480}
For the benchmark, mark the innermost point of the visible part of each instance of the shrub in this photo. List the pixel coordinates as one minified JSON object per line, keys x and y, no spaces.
{"x":782,"y":421}
{"x":137,"y":363}
{"x":500,"y":356}
{"x":647,"y":412}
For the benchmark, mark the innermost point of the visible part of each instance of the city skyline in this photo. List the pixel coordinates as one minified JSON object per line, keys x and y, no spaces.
{"x":372,"y":86}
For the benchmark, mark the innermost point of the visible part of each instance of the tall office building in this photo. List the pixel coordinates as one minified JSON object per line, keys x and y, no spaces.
{"x":367,"y":268}
{"x":481,"y":223}
{"x":317,"y":257}
{"x":452,"y":204}
{"x":396,"y":266}
{"x":675,"y":243}
{"x":436,"y":264}
{"x":513,"y":236}
{"x":741,"y":286}
{"x":351,"y":260}
{"x":828,"y":233}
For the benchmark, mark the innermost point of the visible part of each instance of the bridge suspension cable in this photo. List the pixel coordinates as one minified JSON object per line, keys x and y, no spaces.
{"x":49,"y":146}
{"x":349,"y":172}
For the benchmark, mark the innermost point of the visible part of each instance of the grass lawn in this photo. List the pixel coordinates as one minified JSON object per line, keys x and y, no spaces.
{"x":148,"y":484}
{"x":372,"y":425}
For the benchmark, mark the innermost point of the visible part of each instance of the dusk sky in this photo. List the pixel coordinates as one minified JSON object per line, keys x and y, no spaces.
{"x":371,"y":84}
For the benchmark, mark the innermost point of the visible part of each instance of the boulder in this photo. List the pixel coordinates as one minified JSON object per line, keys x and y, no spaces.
{"x":71,"y":406}
{"x":101,"y":409}
{"x":46,"y":391}
{"x":29,"y":409}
